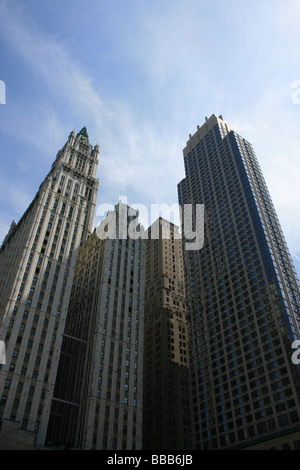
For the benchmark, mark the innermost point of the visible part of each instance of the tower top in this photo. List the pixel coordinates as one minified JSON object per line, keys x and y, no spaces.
{"x":83,"y":135}
{"x":207,"y":126}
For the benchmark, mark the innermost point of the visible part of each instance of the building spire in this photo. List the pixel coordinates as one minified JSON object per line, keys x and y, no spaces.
{"x":83,"y":135}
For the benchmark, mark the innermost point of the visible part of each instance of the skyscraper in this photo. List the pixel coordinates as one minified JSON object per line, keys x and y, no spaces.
{"x":37,"y":263}
{"x":244,"y":300}
{"x":97,"y":402}
{"x":167,"y":420}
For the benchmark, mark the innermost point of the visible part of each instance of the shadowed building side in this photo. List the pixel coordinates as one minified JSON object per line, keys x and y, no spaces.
{"x":167,"y":418}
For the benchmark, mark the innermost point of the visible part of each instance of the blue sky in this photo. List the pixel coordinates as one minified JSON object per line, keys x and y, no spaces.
{"x":141,"y":75}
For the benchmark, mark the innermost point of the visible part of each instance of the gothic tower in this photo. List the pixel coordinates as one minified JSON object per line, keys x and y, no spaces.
{"x":37,"y":263}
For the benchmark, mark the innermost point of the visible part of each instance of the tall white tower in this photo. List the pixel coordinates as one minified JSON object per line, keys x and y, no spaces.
{"x":37,"y":263}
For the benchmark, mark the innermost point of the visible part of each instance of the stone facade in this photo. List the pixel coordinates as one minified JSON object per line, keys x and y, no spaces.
{"x":97,"y":401}
{"x":167,"y":422}
{"x":37,"y":260}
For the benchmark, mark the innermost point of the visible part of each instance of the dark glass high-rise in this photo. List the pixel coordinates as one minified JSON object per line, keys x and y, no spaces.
{"x":244,"y":300}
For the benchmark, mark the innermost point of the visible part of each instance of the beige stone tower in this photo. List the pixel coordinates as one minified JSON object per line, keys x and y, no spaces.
{"x":166,"y":413}
{"x":37,"y":262}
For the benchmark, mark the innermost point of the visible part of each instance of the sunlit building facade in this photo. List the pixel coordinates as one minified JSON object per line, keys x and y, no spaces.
{"x":98,"y":398}
{"x":37,"y":264}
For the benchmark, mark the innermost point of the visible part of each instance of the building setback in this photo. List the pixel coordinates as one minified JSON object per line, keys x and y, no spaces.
{"x":245,"y":300}
{"x":37,"y":263}
{"x":97,"y":401}
{"x":166,"y":410}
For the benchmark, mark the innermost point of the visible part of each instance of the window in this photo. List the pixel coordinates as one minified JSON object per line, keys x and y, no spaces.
{"x":7,"y":383}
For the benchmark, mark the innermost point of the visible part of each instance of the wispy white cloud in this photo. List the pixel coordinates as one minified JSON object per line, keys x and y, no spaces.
{"x":136,"y":157}
{"x":193,"y":63}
